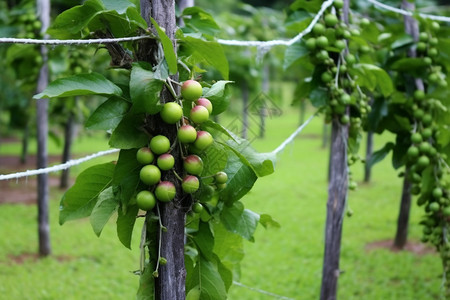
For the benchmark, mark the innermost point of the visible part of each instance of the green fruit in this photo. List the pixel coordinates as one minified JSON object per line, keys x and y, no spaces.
{"x":338,"y":4}
{"x":318,"y":29}
{"x":423,"y":37}
{"x":171,"y":112}
{"x":340,"y":44}
{"x":190,"y":184}
{"x":437,"y":193}
{"x":145,"y":200}
{"x":221,"y":186}
{"x":446,"y":211}
{"x":187,"y":134}
{"x":311,"y":43}
{"x":144,"y":156}
{"x":345,"y":99}
{"x":435,"y":26}
{"x":421,"y":47}
{"x":331,"y":20}
{"x":419,"y":95}
{"x":350,"y":59}
{"x":221,"y":177}
{"x":427,"y":119}
{"x":322,"y":41}
{"x":434,"y":206}
{"x":418,"y":113}
{"x":165,"y":191}
{"x":427,"y":132}
{"x":206,"y":103}
{"x":434,"y":41}
{"x":150,"y":174}
{"x":345,"y":119}
{"x":326,"y":77}
{"x":199,"y":114}
{"x":165,"y":161}
{"x":432,"y":52}
{"x":413,"y":152}
{"x":416,"y":138}
{"x":204,"y":140}
{"x":159,"y":144}
{"x":191,"y":90}
{"x":197,"y":208}
{"x":423,"y":162}
{"x":193,"y":164}
{"x":322,"y":55}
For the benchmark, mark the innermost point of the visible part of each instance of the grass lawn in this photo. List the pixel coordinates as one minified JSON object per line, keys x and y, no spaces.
{"x":285,"y":261}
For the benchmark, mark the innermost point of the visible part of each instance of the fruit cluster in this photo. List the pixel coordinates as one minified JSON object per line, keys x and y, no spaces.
{"x":30,"y":26}
{"x":156,"y":158}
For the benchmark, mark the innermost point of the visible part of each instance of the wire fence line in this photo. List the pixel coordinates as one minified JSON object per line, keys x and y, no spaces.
{"x":73,"y":42}
{"x":291,"y":138}
{"x":409,"y":13}
{"x":56,"y":168}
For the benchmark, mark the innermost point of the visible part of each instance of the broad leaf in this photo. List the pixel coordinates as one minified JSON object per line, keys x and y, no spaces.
{"x":145,"y":90}
{"x":267,"y":221}
{"x":128,"y":134}
{"x":81,"y":84}
{"x":293,"y":53}
{"x":207,"y":52}
{"x":216,"y":94}
{"x":379,"y":155}
{"x":126,"y":175}
{"x":372,"y":77}
{"x":169,"y":53}
{"x":208,"y":279}
{"x":125,"y":224}
{"x":106,"y":205}
{"x":81,"y":198}
{"x":146,"y":289}
{"x":318,"y":96}
{"x":204,"y":240}
{"x":108,"y":115}
{"x":199,"y":20}
{"x":241,"y":221}
{"x":214,"y":159}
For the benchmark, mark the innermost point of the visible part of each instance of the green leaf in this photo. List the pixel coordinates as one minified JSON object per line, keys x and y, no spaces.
{"x":379,"y":155}
{"x":214,"y":159}
{"x":229,"y":247}
{"x":125,"y":224}
{"x":293,"y":53}
{"x":308,"y":5}
{"x":241,"y":179}
{"x":267,"y":221}
{"x":145,"y":90}
{"x":410,"y":65}
{"x":169,"y":53}
{"x":126,"y":175}
{"x":146,"y":289}
{"x":204,"y":240}
{"x":216,"y":94}
{"x":79,"y":85}
{"x":402,"y":41}
{"x":318,"y":96}
{"x":81,"y":198}
{"x":128,"y":134}
{"x":212,"y":126}
{"x":371,"y":77}
{"x":199,"y":20}
{"x":207,"y":52}
{"x":105,"y":207}
{"x":207,"y":277}
{"x":241,"y":221}
{"x":108,"y":115}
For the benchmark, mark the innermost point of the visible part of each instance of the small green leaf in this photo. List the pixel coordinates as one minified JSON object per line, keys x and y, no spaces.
{"x":145,"y":90}
{"x":106,"y":205}
{"x":199,"y":20}
{"x":371,"y":76}
{"x":204,"y":240}
{"x":216,"y":127}
{"x":128,"y":134}
{"x":146,"y":289}
{"x":267,"y":221}
{"x":169,"y":52}
{"x":79,"y":85}
{"x":318,"y":96}
{"x":81,"y":198}
{"x":109,"y":114}
{"x":126,"y":175}
{"x":293,"y":53}
{"x":125,"y":224}
{"x":214,"y":159}
{"x":216,"y":94}
{"x":241,"y":221}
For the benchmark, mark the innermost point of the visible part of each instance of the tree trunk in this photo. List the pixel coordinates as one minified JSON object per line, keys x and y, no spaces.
{"x":69,"y":131}
{"x":369,"y":150}
{"x":337,"y":194}
{"x":25,"y":138}
{"x":42,"y":132}
{"x":245,"y":96}
{"x":337,"y":197}
{"x":170,"y":284}
{"x":401,"y":235}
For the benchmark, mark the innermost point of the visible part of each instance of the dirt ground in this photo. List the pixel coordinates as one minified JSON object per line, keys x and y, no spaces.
{"x":415,"y":247}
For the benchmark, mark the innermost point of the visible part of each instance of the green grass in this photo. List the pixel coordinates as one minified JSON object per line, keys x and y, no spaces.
{"x":285,"y":261}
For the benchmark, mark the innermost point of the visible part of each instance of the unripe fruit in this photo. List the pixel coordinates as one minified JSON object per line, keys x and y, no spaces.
{"x":145,"y":200}
{"x":199,"y":114}
{"x":165,"y":191}
{"x":338,"y":4}
{"x":435,"y":26}
{"x":221,"y":177}
{"x":144,"y":156}
{"x":446,"y":211}
{"x":423,"y":162}
{"x":326,"y":77}
{"x":221,"y":186}
{"x":191,"y":90}
{"x":204,"y":140}
{"x":165,"y":161}
{"x":437,"y":193}
{"x":434,"y":206}
{"x":190,"y":184}
{"x":416,"y":138}
{"x":427,"y":119}
{"x":331,"y":20}
{"x":318,"y":29}
{"x":350,"y":59}
{"x":206,"y":103}
{"x":424,"y":147}
{"x":159,"y":144}
{"x":311,"y":43}
{"x":171,"y":112}
{"x":340,"y":44}
{"x":421,"y":47}
{"x":423,"y":37}
{"x":150,"y":174}
{"x":413,"y":152}
{"x":345,"y":119}
{"x":197,"y":208}
{"x":187,"y":134}
{"x":426,"y":133}
{"x":322,"y":41}
{"x":434,"y":41}
{"x":193,"y":164}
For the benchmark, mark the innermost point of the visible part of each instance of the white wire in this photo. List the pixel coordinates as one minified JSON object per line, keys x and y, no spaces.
{"x":73,"y":42}
{"x":292,"y":136}
{"x":269,"y":44}
{"x":409,"y":13}
{"x":261,"y":291}
{"x":57,"y":168}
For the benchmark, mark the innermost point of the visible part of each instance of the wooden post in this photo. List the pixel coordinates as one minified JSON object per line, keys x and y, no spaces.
{"x":69,"y":131}
{"x":170,"y":284}
{"x":42,"y":132}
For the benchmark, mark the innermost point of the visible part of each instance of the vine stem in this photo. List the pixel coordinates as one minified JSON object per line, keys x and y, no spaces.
{"x":176,"y":175}
{"x":171,"y":89}
{"x":142,"y":245}
{"x":160,"y":239}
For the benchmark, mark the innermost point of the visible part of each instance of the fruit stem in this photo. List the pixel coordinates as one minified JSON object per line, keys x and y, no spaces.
{"x":176,"y":175}
{"x":160,"y":239}
{"x":184,"y":66}
{"x":171,"y":89}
